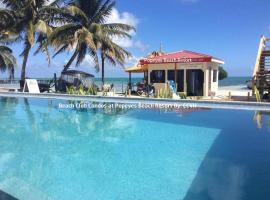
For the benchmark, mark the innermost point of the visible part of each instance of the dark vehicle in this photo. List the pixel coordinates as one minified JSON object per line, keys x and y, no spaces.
{"x":74,"y":78}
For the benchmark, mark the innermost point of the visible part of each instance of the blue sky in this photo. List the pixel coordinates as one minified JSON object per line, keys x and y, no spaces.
{"x":228,"y":29}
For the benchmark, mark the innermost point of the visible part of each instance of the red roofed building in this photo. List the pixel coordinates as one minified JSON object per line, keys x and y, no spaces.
{"x":196,"y":74}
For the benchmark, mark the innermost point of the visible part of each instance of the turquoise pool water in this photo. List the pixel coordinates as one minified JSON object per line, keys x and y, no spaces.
{"x":114,"y":154}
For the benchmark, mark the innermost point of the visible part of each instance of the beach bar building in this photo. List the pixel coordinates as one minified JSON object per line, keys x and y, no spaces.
{"x":196,"y":74}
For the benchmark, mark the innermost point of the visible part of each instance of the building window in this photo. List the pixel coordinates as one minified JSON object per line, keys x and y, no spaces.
{"x":171,"y":75}
{"x":215,"y":75}
{"x":158,"y":76}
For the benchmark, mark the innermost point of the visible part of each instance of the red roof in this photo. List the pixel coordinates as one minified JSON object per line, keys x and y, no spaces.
{"x":179,"y":57}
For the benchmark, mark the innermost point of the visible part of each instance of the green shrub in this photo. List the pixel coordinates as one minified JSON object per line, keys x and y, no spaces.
{"x":81,"y":91}
{"x":164,"y":94}
{"x":182,"y":95}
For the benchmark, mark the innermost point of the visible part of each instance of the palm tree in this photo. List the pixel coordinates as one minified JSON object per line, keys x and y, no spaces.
{"x":7,"y":61}
{"x":114,"y":54}
{"x":29,"y":20}
{"x":88,"y":31}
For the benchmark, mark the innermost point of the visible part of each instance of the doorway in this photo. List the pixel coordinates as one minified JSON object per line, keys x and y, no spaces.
{"x":179,"y":78}
{"x":195,"y":81}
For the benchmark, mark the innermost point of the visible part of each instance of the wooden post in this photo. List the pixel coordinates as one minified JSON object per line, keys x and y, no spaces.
{"x":230,"y":95}
{"x":55,"y":82}
{"x":248,"y":97}
{"x":175,"y":73}
{"x":129,"y":92}
{"x":129,"y":81}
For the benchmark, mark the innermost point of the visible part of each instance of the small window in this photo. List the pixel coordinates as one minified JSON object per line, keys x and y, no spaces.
{"x":158,"y":76}
{"x":215,"y":75}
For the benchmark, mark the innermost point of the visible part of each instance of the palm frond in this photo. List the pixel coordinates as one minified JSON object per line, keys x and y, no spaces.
{"x":62,"y":49}
{"x":82,"y":50}
{"x":7,"y":60}
{"x":31,"y":33}
{"x":103,"y":12}
{"x":42,"y":27}
{"x":78,"y":13}
{"x":43,"y":46}
{"x":14,"y":4}
{"x":63,"y":35}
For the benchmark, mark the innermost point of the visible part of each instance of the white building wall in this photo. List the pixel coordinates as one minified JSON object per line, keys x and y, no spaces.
{"x":214,"y":85}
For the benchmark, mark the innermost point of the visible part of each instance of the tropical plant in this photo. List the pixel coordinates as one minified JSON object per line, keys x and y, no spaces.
{"x":222,"y":73}
{"x":183,"y":95}
{"x":29,"y":21}
{"x":106,"y":87}
{"x":87,"y":32}
{"x":164,"y":93}
{"x":7,"y":61}
{"x":81,"y":90}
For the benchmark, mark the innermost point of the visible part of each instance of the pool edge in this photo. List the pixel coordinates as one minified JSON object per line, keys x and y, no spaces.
{"x":237,"y":105}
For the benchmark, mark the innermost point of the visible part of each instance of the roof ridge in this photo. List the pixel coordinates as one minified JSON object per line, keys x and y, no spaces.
{"x":202,"y":54}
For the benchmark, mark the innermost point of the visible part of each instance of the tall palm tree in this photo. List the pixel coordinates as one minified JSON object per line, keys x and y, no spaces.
{"x":29,"y":20}
{"x":88,"y":31}
{"x":7,"y":61}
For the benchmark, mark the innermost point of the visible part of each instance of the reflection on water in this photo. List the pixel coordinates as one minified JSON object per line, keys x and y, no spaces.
{"x":81,"y":121}
{"x":262,"y":119}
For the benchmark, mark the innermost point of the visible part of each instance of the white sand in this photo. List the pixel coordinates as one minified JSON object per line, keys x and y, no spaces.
{"x":237,"y":90}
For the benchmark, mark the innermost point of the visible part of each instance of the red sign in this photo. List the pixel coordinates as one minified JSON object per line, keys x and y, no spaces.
{"x":173,"y":60}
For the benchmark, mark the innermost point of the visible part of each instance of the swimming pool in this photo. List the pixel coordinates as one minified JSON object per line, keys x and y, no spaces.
{"x":47,"y":152}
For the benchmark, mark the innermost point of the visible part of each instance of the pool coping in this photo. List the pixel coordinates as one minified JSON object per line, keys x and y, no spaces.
{"x":183,"y":103}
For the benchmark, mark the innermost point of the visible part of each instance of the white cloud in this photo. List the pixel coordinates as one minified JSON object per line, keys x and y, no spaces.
{"x":140,"y":45}
{"x":132,"y":61}
{"x":125,"y":18}
{"x":130,"y":19}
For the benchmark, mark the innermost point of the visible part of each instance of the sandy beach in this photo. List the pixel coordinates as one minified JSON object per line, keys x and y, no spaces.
{"x":237,"y":92}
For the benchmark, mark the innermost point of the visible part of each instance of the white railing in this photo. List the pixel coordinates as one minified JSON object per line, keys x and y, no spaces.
{"x":261,"y":48}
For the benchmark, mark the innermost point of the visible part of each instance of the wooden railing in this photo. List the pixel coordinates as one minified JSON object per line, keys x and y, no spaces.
{"x":261,"y":48}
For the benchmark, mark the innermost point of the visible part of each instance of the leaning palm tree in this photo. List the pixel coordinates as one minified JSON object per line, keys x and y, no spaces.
{"x":88,"y":31}
{"x":114,"y":54}
{"x":29,"y":20}
{"x":7,"y":61}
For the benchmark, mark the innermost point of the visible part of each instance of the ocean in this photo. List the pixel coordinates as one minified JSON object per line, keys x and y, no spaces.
{"x":233,"y":81}
{"x":120,"y":84}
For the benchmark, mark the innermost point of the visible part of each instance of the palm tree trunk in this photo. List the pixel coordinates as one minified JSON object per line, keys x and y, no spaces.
{"x":102,"y":68}
{"x":11,"y":73}
{"x":25,"y":58}
{"x":70,"y":61}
